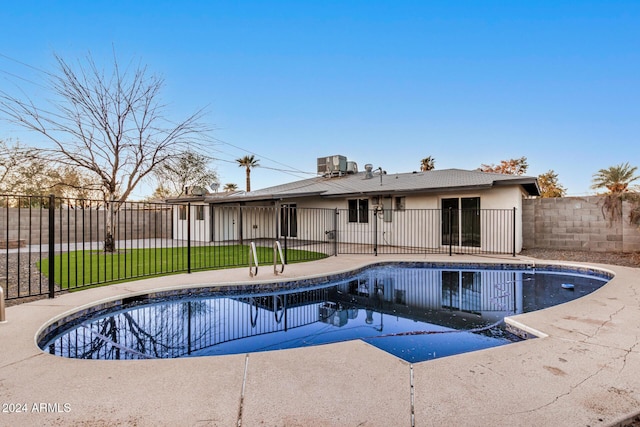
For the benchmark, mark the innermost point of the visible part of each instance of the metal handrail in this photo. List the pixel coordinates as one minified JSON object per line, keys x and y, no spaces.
{"x":3,"y":317}
{"x":277,"y":251}
{"x":253,"y":256}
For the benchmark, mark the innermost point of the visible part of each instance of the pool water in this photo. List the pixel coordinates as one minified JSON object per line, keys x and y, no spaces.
{"x":414,"y":312}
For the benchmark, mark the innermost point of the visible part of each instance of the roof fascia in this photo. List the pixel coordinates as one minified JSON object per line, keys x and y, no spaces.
{"x":530,"y":185}
{"x":416,"y":191}
{"x":266,"y":198}
{"x":185,"y":199}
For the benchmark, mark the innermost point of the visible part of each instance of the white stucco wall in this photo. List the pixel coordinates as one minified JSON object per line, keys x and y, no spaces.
{"x":419,"y":225}
{"x":498,"y":198}
{"x":199,"y":228}
{"x":494,"y":294}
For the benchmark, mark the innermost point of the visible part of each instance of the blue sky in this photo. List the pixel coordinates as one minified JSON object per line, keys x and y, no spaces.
{"x":381,"y":82}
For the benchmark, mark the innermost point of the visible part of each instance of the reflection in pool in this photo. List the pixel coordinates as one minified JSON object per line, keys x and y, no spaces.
{"x":413,"y":312}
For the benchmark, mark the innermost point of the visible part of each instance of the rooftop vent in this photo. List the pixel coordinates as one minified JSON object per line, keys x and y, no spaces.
{"x":352,"y":167}
{"x":369,"y":171}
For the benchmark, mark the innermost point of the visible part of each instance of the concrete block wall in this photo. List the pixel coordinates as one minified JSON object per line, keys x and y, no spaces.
{"x":577,"y":223}
{"x":631,"y":241}
{"x":31,"y":226}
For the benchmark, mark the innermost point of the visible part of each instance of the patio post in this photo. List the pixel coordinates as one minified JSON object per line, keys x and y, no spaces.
{"x":285,"y":247}
{"x":3,"y":317}
{"x":450,"y":231}
{"x":514,"y":231}
{"x":52,"y":246}
{"x":375,"y":231}
{"x":335,"y":232}
{"x":286,"y":224}
{"x":189,"y":237}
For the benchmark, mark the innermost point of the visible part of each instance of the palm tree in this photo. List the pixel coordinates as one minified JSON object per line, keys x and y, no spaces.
{"x":230,"y":187}
{"x":248,"y":162}
{"x":427,"y":164}
{"x":616,"y":179}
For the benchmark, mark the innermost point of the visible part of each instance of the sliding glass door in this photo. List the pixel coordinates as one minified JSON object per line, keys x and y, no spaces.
{"x":461,"y":221}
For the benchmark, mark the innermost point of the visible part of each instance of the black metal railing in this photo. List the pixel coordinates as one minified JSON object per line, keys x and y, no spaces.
{"x":456,"y":299}
{"x":428,"y":231}
{"x":187,"y":328}
{"x":51,"y":244}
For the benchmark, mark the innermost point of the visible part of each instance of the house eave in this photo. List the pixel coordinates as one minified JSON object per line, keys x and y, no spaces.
{"x":262,"y":198}
{"x":186,"y":199}
{"x":530,"y":187}
{"x":387,"y":191}
{"x":528,"y":184}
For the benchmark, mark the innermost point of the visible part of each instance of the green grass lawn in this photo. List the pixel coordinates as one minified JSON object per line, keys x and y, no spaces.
{"x":87,"y":268}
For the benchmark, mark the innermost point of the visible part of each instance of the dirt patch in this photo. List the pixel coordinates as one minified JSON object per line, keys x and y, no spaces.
{"x":20,"y":277}
{"x":631,"y":259}
{"x":635,"y":422}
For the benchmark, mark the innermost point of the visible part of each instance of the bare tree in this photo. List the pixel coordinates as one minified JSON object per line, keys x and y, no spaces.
{"x":110,"y":124}
{"x":76,"y":186}
{"x":13,"y":157}
{"x":186,"y":169}
{"x":23,"y":172}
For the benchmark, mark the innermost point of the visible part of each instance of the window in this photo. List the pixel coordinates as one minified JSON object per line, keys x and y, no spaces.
{"x":359,"y":210}
{"x":182,"y":212}
{"x":359,"y":287}
{"x":400,"y":203}
{"x":199,"y":213}
{"x":387,"y":209}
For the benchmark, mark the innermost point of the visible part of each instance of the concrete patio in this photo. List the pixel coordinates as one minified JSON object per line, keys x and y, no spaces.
{"x":585,"y":372}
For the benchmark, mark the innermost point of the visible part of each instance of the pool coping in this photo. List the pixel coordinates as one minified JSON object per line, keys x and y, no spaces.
{"x":585,"y":371}
{"x":100,"y":308}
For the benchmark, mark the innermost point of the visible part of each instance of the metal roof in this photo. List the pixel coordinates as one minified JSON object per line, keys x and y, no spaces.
{"x":445,"y":180}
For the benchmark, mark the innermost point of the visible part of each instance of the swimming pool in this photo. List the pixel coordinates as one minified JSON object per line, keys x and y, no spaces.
{"x":415,"y":311}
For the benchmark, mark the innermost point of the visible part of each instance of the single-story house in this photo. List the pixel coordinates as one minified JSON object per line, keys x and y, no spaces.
{"x":417,"y":209}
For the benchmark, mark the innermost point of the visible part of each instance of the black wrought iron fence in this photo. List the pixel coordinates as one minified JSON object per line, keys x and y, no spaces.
{"x":52,"y":244}
{"x":219,"y":236}
{"x":428,"y":231}
{"x":192,"y":327}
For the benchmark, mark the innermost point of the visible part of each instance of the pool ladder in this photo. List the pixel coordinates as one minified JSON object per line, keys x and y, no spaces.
{"x":3,"y":317}
{"x":278,"y":259}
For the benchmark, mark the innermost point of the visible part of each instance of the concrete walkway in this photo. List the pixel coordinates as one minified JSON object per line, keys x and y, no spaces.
{"x":586,"y":372}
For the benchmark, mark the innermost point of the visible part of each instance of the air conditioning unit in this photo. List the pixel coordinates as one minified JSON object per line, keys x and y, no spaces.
{"x":332,"y":165}
{"x":194,"y":190}
{"x":352,"y":167}
{"x":332,"y":315}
